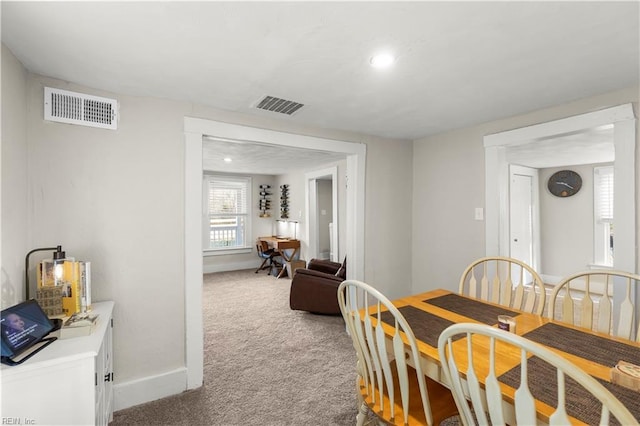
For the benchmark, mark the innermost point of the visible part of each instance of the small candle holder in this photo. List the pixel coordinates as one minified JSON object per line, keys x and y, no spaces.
{"x":507,"y":323}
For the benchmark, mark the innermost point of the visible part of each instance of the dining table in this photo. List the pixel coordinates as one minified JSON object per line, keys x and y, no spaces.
{"x":429,"y":313}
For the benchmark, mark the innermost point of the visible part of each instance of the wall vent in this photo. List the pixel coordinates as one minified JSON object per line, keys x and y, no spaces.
{"x":77,"y":108}
{"x":282,"y":106}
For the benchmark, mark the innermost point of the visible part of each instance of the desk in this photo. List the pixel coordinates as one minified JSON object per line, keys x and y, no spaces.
{"x":431,"y":312}
{"x":281,"y":245}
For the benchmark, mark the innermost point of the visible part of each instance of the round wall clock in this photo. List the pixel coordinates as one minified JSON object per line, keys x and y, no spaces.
{"x":564,"y":183}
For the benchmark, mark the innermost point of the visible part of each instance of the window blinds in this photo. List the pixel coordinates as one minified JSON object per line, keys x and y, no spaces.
{"x":603,"y":188}
{"x":227,"y":196}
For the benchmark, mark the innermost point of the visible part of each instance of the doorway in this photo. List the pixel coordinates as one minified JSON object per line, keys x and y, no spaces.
{"x":322,"y":214}
{"x":497,"y":176}
{"x":195,"y":129}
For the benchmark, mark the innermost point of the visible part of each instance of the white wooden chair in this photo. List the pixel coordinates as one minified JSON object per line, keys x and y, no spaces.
{"x":589,"y":288}
{"x":488,"y":397}
{"x":387,"y":385}
{"x":506,"y":281}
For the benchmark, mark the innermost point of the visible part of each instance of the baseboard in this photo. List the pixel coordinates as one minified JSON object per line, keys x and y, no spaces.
{"x":148,"y":389}
{"x":235,"y":266}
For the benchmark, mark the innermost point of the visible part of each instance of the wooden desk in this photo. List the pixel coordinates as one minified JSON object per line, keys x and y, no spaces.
{"x":282,"y":245}
{"x":431,"y":312}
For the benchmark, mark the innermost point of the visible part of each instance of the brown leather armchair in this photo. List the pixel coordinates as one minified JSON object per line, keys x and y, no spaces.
{"x":315,"y":288}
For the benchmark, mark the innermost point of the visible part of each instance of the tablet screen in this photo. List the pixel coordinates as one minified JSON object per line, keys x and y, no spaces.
{"x":23,"y":325}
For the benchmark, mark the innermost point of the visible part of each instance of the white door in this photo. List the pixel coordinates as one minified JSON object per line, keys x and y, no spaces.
{"x":524,"y":234}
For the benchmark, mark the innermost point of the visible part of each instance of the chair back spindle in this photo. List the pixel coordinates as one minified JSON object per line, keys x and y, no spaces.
{"x":497,"y":275}
{"x":584,"y":299}
{"x":485,"y":391}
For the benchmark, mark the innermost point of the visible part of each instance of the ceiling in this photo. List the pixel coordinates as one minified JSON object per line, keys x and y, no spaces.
{"x":253,"y":158}
{"x":458,"y":63}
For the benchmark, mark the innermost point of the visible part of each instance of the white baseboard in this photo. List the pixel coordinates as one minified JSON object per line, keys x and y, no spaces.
{"x":236,"y":266}
{"x":148,"y":389}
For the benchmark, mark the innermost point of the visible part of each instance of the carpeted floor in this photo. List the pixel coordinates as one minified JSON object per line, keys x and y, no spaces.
{"x":264,"y":364}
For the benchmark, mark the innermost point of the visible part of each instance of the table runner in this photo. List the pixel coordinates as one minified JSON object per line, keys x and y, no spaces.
{"x":594,"y":348}
{"x":426,"y":327}
{"x":580,"y":403}
{"x":469,"y":308}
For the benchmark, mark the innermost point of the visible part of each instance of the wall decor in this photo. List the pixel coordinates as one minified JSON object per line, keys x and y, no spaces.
{"x":564,"y":183}
{"x":284,"y":201}
{"x":265,"y":202}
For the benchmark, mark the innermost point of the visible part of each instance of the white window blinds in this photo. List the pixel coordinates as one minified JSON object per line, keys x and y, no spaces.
{"x":227,"y":196}
{"x":603,"y":194}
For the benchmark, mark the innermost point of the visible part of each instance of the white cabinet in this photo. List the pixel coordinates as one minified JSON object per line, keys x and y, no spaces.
{"x":70,"y":382}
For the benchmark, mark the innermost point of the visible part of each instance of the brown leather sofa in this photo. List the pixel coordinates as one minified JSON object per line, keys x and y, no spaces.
{"x":315,"y":288}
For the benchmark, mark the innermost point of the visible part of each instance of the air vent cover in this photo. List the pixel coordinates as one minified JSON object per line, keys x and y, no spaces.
{"x":77,"y":108}
{"x":282,"y":106}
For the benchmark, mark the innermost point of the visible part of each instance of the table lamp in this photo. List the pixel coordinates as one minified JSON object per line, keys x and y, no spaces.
{"x":58,"y":261}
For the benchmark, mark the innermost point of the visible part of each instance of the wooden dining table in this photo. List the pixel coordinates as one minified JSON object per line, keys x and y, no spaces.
{"x":431,"y":312}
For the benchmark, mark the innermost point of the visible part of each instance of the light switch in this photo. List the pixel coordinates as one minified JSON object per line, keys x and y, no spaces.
{"x":323,"y":212}
{"x":479,"y":213}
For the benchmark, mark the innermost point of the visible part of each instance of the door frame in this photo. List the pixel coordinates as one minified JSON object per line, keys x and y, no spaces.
{"x":194,"y":130}
{"x":497,"y":176}
{"x":312,"y":210}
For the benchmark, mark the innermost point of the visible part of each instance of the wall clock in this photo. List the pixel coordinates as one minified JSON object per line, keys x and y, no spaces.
{"x":564,"y":183}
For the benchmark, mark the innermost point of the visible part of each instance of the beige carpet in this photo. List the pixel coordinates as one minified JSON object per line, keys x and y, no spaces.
{"x":264,"y":364}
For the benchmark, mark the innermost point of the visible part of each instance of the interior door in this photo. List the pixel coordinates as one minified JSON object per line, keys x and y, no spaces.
{"x":524,"y":228}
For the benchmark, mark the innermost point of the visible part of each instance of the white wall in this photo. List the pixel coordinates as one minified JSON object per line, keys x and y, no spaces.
{"x":117,"y":198}
{"x":388,"y":223}
{"x":14,"y":228}
{"x":448,"y":184}
{"x":566,"y":225}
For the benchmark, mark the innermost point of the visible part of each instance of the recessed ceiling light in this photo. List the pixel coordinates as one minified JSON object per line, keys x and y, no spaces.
{"x":227,"y":160}
{"x":382,"y":60}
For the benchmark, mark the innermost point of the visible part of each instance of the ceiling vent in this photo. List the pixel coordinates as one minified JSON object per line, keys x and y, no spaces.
{"x":77,"y":108}
{"x":282,"y":106}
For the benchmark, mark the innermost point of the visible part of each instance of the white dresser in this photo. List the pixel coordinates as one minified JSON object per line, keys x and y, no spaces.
{"x":70,"y":382}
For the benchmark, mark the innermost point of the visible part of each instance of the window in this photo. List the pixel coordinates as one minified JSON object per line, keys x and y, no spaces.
{"x":227,"y":212}
{"x":603,"y":215}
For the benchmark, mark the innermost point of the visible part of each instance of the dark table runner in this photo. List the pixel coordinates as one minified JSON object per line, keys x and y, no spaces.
{"x":594,"y":348}
{"x":469,"y":308}
{"x":426,"y":327}
{"x":580,"y":403}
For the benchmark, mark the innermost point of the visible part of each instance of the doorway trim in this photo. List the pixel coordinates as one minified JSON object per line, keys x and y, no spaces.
{"x":624,"y":140}
{"x":194,"y":130}
{"x":312,"y":214}
{"x":497,"y":172}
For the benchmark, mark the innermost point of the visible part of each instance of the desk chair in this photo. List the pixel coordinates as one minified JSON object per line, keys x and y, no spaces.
{"x":267,"y":255}
{"x":386,"y":385}
{"x":588,"y":287}
{"x":489,"y":397}
{"x":496,"y":283}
